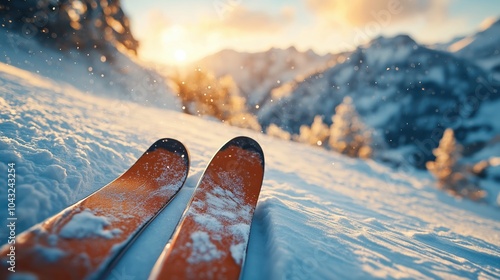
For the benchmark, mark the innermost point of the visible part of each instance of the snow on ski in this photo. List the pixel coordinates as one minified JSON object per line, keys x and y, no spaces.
{"x":211,"y":239}
{"x":84,"y":240}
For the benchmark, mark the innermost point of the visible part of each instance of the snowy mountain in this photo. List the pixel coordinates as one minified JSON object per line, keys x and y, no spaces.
{"x":320,"y":215}
{"x":408,"y":93}
{"x":444,"y":46}
{"x":482,"y":47}
{"x":484,"y":43}
{"x":256,"y":74}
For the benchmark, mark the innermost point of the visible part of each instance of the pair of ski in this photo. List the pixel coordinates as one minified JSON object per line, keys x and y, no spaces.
{"x":85,"y":240}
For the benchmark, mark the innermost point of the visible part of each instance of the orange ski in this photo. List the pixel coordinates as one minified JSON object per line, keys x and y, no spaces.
{"x":86,"y":239}
{"x":211,"y":239}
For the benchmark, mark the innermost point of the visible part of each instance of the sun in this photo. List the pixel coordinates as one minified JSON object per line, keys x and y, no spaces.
{"x":180,"y":55}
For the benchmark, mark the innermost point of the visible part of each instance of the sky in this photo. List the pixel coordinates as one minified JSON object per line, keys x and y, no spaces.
{"x":179,"y":32}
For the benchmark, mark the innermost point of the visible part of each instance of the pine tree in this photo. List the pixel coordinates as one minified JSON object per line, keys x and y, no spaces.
{"x":447,"y":156}
{"x":204,"y":94}
{"x":348,"y":134}
{"x":315,"y":135}
{"x":276,"y":131}
{"x":201,"y":93}
{"x":451,"y":175}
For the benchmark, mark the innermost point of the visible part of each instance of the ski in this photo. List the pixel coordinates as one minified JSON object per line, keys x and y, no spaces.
{"x":86,"y":239}
{"x":211,"y":239}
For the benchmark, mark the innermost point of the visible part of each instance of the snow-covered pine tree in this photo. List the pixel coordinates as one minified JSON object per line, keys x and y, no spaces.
{"x":204,"y":94}
{"x":315,"y":135}
{"x":447,"y":156}
{"x":276,"y":131}
{"x":348,"y":134}
{"x":233,"y":109}
{"x":451,"y":175}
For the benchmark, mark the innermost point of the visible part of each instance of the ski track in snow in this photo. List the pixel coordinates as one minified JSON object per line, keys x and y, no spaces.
{"x":320,"y":215}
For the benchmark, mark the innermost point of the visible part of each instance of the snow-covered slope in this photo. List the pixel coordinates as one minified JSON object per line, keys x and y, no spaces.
{"x":320,"y":215}
{"x":408,"y":93}
{"x":117,"y":75}
{"x":257,"y":74}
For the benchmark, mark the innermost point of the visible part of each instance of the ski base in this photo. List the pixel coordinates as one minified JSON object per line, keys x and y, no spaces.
{"x":84,"y":240}
{"x":211,"y":239}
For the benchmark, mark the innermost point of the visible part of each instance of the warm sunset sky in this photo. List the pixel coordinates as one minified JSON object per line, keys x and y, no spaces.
{"x":173,"y":31}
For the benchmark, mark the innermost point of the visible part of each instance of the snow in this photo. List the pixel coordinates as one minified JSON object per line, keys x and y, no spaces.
{"x":382,"y":115}
{"x":50,"y":254}
{"x":167,"y":190}
{"x":405,"y":93}
{"x":320,"y":215}
{"x":482,"y":47}
{"x":457,"y":46}
{"x":209,"y":222}
{"x":437,"y":74}
{"x":387,"y":50}
{"x":203,"y":249}
{"x":238,"y":252}
{"x":86,"y":224}
{"x":482,"y":43}
{"x":220,"y":214}
{"x":240,"y":232}
{"x":122,"y":78}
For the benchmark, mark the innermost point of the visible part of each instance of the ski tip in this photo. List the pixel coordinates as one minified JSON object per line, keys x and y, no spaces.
{"x":170,"y":145}
{"x":246,"y":143}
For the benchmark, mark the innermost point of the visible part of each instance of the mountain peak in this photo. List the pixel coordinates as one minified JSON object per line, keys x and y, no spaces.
{"x":225,"y":52}
{"x":399,"y":41}
{"x":491,"y":22}
{"x":483,"y":44}
{"x":292,"y":49}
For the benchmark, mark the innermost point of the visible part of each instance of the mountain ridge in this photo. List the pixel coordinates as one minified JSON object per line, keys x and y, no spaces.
{"x":404,"y":90}
{"x":258,"y":73}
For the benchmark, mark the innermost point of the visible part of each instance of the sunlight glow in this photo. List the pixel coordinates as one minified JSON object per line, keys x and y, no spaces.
{"x":180,"y":55}
{"x":173,"y":34}
{"x":176,"y":44}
